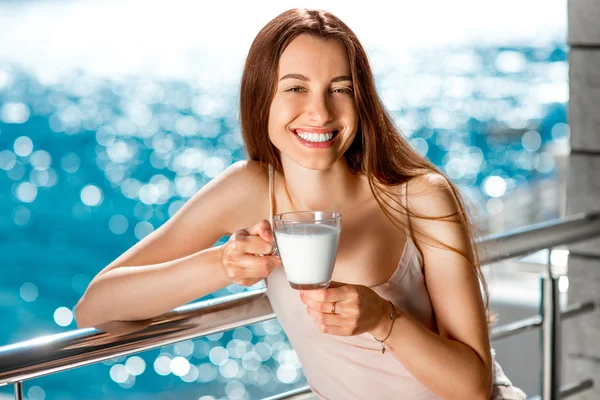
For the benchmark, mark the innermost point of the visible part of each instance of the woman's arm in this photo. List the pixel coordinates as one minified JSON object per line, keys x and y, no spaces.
{"x":141,"y":292}
{"x":175,"y":264}
{"x":456,"y":364}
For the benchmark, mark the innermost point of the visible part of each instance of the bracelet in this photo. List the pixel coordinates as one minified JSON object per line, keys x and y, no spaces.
{"x":393,"y":317}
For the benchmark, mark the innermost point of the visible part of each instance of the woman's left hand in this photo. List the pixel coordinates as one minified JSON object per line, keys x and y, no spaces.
{"x":347,"y":310}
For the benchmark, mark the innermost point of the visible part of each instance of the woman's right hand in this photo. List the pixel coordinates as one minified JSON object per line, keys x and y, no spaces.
{"x":246,"y":257}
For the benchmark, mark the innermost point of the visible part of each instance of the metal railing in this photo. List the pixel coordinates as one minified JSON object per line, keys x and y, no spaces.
{"x":54,"y":353}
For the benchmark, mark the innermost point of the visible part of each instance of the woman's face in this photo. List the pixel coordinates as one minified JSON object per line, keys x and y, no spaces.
{"x":313,"y":118}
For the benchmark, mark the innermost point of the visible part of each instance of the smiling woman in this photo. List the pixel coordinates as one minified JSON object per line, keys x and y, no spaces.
{"x":404,"y":316}
{"x":314,"y":109}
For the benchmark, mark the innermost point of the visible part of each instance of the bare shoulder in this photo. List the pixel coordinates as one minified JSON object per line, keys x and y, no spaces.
{"x":251,"y":169}
{"x":242,"y":193}
{"x":427,"y":184}
{"x":247,"y":176}
{"x":431,"y":195}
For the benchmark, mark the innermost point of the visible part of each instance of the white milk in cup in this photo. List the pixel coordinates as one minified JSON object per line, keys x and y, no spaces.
{"x":307,"y":243}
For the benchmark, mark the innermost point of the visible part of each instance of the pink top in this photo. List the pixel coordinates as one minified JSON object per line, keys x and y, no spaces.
{"x":352,"y":367}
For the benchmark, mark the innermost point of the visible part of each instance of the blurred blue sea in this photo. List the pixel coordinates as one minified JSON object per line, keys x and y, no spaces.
{"x":90,"y":166}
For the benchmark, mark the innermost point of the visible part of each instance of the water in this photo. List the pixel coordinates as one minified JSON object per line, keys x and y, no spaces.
{"x":89,"y":166}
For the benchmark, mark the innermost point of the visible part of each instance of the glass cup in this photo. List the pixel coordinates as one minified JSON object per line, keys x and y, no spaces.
{"x":307,"y":243}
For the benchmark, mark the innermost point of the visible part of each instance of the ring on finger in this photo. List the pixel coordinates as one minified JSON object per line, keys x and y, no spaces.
{"x":332,"y":308}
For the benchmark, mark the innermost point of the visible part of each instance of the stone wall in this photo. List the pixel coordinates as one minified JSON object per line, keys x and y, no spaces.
{"x":582,"y":334}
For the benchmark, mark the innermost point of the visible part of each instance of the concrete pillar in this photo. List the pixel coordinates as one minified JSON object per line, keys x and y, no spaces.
{"x":582,"y":334}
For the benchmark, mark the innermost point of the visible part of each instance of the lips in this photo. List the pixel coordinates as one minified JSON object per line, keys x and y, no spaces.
{"x":319,"y":145}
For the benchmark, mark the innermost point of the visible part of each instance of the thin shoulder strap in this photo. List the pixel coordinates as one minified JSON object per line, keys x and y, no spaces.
{"x":271,"y":184}
{"x":409,"y":230}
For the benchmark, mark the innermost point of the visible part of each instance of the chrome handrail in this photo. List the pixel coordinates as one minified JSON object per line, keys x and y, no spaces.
{"x":63,"y":351}
{"x":519,"y":242}
{"x":535,"y":322}
{"x":54,"y":353}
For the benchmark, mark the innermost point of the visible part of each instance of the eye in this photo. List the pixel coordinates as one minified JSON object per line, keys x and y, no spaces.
{"x":343,"y":90}
{"x":294,"y":89}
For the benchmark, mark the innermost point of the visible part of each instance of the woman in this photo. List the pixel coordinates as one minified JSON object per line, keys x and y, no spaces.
{"x":405,"y":317}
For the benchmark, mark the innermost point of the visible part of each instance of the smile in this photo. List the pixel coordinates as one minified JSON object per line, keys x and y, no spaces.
{"x":316,"y":140}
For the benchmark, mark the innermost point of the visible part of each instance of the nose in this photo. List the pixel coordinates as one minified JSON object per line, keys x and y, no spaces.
{"x":319,"y":110}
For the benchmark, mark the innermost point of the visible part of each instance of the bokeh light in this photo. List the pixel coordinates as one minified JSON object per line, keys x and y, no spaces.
{"x":207,"y":372}
{"x":218,"y":355}
{"x":494,"y":186}
{"x":119,"y":373}
{"x":7,"y":160}
{"x":179,"y":366}
{"x":162,"y":365}
{"x":91,"y":195}
{"x":118,"y":224}
{"x":143,"y":229}
{"x":26,"y":192}
{"x":23,"y":146}
{"x":14,"y":113}
{"x":36,"y":393}
{"x":135,"y":365}
{"x":28,"y":292}
{"x":63,"y":316}
{"x":21,"y":216}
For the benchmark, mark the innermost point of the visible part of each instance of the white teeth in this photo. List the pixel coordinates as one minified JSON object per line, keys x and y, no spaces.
{"x":315,"y":137}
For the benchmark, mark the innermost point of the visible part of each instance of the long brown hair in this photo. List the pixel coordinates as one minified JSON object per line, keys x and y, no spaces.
{"x":378,"y":151}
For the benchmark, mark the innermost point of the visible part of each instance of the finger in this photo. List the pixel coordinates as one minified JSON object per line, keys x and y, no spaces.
{"x":329,"y":295}
{"x":258,"y":246}
{"x":263,"y":230}
{"x":323,"y":307}
{"x":242,"y":275}
{"x":250,"y":264}
{"x":326,"y":319}
{"x":250,"y":244}
{"x":240,"y":233}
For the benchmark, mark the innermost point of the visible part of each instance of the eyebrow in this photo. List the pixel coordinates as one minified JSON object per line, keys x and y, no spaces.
{"x":304,"y":78}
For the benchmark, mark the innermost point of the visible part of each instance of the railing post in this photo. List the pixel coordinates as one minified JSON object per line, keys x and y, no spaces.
{"x":19,"y":390}
{"x":551,"y":332}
